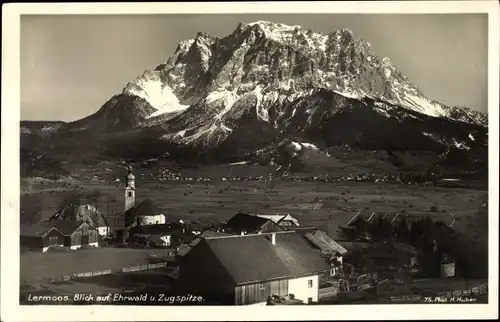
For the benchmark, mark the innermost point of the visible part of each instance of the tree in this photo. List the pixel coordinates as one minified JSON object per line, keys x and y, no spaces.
{"x":403,"y":232}
{"x":382,"y":229}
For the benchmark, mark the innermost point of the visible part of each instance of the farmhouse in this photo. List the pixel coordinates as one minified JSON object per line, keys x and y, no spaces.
{"x":251,"y":269}
{"x":243,"y":224}
{"x":150,"y":240}
{"x":77,"y":233}
{"x":87,"y":213}
{"x":165,"y":235}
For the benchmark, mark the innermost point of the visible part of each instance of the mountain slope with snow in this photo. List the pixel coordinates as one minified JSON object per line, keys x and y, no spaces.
{"x":267,"y":81}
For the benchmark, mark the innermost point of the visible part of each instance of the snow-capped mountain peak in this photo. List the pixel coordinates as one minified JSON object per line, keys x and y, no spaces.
{"x":278,"y":76}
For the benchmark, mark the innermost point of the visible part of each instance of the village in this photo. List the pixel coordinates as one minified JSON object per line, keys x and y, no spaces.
{"x":249,"y":259}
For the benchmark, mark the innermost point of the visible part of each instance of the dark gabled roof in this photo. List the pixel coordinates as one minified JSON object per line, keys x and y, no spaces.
{"x":446,"y":259}
{"x":253,"y":258}
{"x":242,"y":221}
{"x":36,"y":230}
{"x":185,"y":248}
{"x":81,"y":212}
{"x":195,"y":226}
{"x":352,"y":246}
{"x":302,"y":230}
{"x":67,"y":227}
{"x":157,"y":229}
{"x":145,"y":208}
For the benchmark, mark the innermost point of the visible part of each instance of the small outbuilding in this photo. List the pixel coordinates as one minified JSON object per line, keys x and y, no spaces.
{"x":40,"y":237}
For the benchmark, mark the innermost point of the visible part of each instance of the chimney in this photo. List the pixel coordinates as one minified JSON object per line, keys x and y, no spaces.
{"x":273,"y":238}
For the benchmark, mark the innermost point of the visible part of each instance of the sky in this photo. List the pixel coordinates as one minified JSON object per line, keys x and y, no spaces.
{"x":72,"y":64}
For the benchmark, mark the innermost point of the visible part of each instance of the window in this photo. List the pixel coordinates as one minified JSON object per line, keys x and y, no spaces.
{"x":130,"y":193}
{"x":310,"y":283}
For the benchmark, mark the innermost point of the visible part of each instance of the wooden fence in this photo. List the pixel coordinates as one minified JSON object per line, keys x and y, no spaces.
{"x":98,"y":273}
{"x":478,"y":290}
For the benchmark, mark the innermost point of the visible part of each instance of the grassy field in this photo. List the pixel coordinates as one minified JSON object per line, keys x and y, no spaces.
{"x":311,"y":202}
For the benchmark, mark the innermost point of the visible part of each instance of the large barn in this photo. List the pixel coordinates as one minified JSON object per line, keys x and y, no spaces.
{"x":251,"y":269}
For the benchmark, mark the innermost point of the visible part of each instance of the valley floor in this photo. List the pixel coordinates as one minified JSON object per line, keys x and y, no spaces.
{"x":311,"y":202}
{"x":325,"y":205}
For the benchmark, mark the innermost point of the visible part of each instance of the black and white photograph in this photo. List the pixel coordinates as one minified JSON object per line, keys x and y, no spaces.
{"x":199,"y":159}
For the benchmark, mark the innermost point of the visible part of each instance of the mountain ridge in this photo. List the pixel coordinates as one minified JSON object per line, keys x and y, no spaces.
{"x":267,"y":81}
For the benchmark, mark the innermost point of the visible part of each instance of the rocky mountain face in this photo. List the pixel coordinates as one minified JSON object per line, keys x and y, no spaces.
{"x":265,"y":82}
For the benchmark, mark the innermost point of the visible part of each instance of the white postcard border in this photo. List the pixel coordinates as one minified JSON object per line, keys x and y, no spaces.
{"x":11,"y":311}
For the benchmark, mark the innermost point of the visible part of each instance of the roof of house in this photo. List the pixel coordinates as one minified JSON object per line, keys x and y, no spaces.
{"x":156,"y":229}
{"x":145,"y":208}
{"x":83,"y":212}
{"x":354,"y":245}
{"x":279,"y":218}
{"x":242,"y":221}
{"x":185,"y":248}
{"x":291,"y":256}
{"x":195,"y":226}
{"x":39,"y":229}
{"x":446,"y":259}
{"x":302,"y":229}
{"x":324,"y":242}
{"x":67,"y":227}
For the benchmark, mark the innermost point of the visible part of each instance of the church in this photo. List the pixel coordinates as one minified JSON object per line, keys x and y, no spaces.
{"x":140,"y":214}
{"x":136,"y":215}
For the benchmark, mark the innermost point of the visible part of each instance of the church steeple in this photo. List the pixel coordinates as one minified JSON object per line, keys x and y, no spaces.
{"x":130,"y":190}
{"x":130,"y":178}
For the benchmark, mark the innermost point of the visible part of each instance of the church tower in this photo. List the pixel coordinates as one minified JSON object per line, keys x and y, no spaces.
{"x":130,"y":190}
